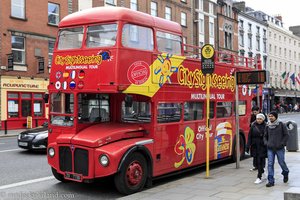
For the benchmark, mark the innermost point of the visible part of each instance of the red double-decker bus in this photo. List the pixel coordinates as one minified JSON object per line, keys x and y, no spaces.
{"x":125,"y":100}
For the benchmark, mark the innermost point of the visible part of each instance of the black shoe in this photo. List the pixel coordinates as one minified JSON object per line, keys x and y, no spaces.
{"x":285,"y":179}
{"x":269,"y":184}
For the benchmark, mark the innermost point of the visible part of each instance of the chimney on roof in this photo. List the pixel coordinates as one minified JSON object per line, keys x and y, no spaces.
{"x":240,"y":6}
{"x":279,"y":17}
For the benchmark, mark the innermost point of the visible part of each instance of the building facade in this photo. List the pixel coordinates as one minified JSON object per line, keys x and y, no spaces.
{"x":282,"y":61}
{"x":179,"y":11}
{"x":227,"y":24}
{"x":253,"y":43}
{"x":28,"y":30}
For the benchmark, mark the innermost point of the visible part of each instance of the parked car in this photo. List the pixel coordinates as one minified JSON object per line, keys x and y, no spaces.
{"x":35,"y":138}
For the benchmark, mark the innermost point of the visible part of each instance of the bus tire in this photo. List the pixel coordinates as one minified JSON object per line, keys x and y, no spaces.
{"x":58,"y":176}
{"x":242,"y":149}
{"x":132,"y":175}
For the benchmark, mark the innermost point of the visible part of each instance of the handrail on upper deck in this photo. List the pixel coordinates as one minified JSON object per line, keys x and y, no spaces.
{"x":222,"y":57}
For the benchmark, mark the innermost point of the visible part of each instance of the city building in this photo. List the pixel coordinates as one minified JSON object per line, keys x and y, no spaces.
{"x":179,"y":11}
{"x":27,"y":35}
{"x":206,"y":22}
{"x":253,"y":44}
{"x":227,"y":23}
{"x":282,"y":61}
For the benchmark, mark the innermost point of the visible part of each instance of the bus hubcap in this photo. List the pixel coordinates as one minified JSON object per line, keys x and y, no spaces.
{"x":134,"y":173}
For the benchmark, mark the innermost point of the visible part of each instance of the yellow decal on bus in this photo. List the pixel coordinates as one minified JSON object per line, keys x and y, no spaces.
{"x":160,"y":72}
{"x":185,"y":147}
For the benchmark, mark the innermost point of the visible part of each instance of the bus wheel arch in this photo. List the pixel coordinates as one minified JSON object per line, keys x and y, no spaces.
{"x":134,"y":171}
{"x":242,"y":146}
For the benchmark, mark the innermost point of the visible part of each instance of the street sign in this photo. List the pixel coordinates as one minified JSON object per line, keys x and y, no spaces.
{"x":251,"y":77}
{"x":207,"y":59}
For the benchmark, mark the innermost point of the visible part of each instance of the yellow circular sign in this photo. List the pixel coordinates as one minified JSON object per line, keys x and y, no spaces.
{"x":207,"y":51}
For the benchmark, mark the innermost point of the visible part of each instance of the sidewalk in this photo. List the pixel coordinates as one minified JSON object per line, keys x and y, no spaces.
{"x":11,"y":133}
{"x":225,"y":182}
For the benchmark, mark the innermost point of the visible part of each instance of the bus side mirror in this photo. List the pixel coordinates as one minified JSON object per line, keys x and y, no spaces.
{"x":46,"y":98}
{"x":128,"y":101}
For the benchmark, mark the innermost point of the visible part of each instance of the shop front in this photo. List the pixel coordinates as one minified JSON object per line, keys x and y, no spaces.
{"x":22,"y":98}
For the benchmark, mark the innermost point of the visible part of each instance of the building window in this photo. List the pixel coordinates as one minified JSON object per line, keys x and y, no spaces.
{"x":184,"y":42}
{"x":168,"y":14}
{"x":21,"y":105}
{"x":153,"y":9}
{"x":249,"y":41}
{"x":18,"y":8}
{"x":18,"y":49}
{"x":201,"y":26}
{"x":201,"y":5}
{"x":257,"y":44}
{"x":53,"y":13}
{"x":133,"y":5}
{"x":211,"y":8}
{"x":183,"y":19}
{"x":85,"y":4}
{"x":211,"y":29}
{"x":110,"y":3}
{"x":265,"y":46}
{"x":50,"y":52}
{"x":228,"y":40}
{"x":241,"y":39}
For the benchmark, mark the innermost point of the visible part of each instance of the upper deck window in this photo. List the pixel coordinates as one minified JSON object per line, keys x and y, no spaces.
{"x":101,"y":35}
{"x":70,"y":38}
{"x":137,"y":37}
{"x":168,"y":43}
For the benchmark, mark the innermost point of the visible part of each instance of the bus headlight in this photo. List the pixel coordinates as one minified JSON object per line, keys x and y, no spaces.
{"x":51,"y":152}
{"x":103,"y":160}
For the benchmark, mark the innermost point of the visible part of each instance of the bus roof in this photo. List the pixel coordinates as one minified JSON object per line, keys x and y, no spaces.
{"x":108,"y":14}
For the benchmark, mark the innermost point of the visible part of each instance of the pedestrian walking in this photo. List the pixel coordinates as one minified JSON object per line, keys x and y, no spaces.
{"x":275,"y":138}
{"x":255,"y":111}
{"x":256,"y":145}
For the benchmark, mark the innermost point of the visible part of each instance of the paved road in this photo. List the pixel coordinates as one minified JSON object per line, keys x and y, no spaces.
{"x":26,"y":175}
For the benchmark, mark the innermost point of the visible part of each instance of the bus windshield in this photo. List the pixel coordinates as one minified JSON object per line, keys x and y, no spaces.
{"x":93,"y":108}
{"x":70,"y":38}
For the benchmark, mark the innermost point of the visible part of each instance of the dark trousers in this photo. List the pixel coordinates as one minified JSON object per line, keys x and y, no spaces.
{"x":255,"y":163}
{"x":260,"y":163}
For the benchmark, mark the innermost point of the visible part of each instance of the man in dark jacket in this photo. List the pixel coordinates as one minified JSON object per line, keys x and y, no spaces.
{"x":275,"y":138}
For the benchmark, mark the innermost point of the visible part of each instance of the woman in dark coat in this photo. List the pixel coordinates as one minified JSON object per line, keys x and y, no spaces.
{"x":256,"y":144}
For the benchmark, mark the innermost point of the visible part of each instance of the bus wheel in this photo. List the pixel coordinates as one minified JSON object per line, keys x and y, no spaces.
{"x":242,"y":149}
{"x":58,"y":176}
{"x":133,"y":174}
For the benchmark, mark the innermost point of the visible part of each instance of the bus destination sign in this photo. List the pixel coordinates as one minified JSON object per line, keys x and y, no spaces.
{"x":251,"y":77}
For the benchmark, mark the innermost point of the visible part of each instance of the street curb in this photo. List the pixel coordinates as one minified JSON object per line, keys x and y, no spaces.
{"x":9,"y":135}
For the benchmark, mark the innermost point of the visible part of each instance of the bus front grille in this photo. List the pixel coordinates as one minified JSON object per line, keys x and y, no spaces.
{"x":81,"y":160}
{"x":65,"y":159}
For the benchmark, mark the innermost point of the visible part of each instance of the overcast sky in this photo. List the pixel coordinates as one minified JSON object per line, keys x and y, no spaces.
{"x":288,"y":9}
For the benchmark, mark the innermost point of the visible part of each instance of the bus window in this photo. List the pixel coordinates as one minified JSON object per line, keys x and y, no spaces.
{"x":138,"y":112}
{"x":93,"y":108}
{"x":137,"y":37}
{"x":70,"y":38}
{"x":193,"y":111}
{"x":242,"y":108}
{"x":168,"y":43}
{"x":168,"y":112}
{"x":211,"y":110}
{"x":224,"y":109}
{"x":101,"y":35}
